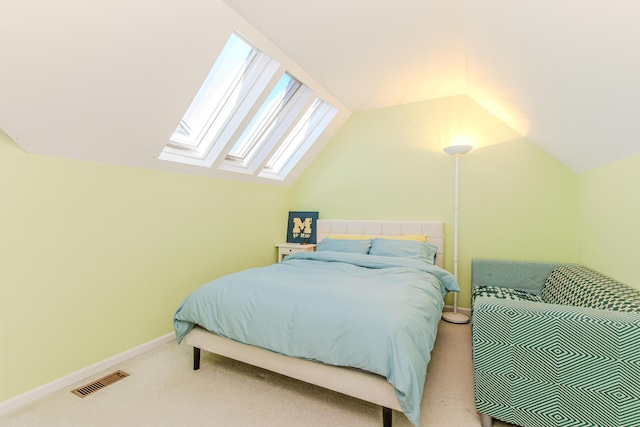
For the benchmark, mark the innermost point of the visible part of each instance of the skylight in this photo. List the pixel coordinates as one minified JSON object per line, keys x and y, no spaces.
{"x":250,"y":116}
{"x":265,"y":119}
{"x":305,"y":132}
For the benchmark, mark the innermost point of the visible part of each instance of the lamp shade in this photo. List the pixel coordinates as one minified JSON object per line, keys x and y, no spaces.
{"x":457,"y":150}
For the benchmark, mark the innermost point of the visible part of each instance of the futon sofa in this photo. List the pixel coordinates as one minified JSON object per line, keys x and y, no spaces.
{"x":554,"y":345}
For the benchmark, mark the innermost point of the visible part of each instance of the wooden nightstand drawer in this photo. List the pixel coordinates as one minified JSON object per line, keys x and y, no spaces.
{"x":285,"y":249}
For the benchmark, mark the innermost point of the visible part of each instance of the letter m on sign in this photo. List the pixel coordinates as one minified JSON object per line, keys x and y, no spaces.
{"x":300,"y":226}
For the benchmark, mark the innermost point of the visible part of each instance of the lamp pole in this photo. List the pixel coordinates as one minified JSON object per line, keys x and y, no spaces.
{"x":456,"y":151}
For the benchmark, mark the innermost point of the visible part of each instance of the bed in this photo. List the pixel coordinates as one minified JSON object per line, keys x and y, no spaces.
{"x":370,"y":320}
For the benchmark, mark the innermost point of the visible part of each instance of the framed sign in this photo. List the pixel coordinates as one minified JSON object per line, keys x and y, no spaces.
{"x":301,"y":227}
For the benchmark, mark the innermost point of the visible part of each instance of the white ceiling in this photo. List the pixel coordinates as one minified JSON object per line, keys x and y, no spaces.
{"x":369,"y":53}
{"x":94,"y":80}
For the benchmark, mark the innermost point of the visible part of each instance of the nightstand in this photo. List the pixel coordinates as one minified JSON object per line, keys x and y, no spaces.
{"x":285,"y":249}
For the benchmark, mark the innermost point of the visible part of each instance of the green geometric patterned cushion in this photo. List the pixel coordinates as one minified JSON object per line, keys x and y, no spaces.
{"x":556,"y":366}
{"x":583,"y":287}
{"x":504,"y":293}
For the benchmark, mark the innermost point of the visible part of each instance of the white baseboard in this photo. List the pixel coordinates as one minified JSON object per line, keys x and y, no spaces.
{"x":466,"y":311}
{"x":40,"y":392}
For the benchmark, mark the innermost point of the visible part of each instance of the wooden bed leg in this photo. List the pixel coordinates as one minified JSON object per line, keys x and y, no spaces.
{"x":486,"y":420}
{"x":196,"y":358}
{"x":386,"y":417}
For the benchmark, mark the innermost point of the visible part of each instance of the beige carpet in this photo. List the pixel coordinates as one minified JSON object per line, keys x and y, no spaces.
{"x":163,"y":390}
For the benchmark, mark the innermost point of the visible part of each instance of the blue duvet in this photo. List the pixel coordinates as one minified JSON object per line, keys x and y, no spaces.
{"x":375,"y":313}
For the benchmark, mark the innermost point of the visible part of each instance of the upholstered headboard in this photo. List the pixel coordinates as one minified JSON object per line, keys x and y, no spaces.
{"x":434,"y":230}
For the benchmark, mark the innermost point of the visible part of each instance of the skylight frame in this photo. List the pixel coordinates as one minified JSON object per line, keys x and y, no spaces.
{"x":213,"y":140}
{"x":287,"y":119}
{"x":213,"y":101}
{"x":316,"y":118}
{"x":262,"y":123}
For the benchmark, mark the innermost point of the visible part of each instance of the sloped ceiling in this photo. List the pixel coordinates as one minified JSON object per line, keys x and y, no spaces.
{"x":370,"y":53}
{"x":560,"y":72}
{"x":108,"y":80}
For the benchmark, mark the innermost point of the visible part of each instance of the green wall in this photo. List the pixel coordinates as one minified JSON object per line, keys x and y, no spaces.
{"x":609,"y":219}
{"x":96,"y":258}
{"x":516,"y":201}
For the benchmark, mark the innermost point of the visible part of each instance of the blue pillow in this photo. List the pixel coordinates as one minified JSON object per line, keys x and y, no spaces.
{"x":344,"y":245}
{"x":404,"y":248}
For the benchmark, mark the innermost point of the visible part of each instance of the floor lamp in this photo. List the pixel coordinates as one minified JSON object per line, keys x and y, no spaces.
{"x":456,"y":151}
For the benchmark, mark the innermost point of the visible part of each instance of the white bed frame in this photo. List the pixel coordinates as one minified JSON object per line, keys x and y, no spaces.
{"x":356,"y":383}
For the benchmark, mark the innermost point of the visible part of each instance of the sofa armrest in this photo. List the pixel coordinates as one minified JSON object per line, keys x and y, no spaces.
{"x":520,"y":275}
{"x":534,"y":362}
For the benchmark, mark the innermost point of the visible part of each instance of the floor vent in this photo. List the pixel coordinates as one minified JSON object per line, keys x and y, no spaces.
{"x":99,"y":383}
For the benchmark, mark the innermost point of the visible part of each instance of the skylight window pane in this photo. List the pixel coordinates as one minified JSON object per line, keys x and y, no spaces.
{"x":265,"y":120}
{"x":305,"y":132}
{"x":295,"y":138}
{"x":218,"y":96}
